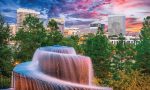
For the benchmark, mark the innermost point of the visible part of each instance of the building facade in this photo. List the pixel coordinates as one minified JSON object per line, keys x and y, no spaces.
{"x":22,"y":13}
{"x":116,"y":25}
{"x":71,"y":31}
{"x":13,"y":29}
{"x":128,"y":40}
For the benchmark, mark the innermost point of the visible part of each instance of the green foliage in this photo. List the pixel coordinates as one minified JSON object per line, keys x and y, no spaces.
{"x":118,"y":66}
{"x":121,"y":45}
{"x":143,"y":48}
{"x":55,"y":37}
{"x":31,"y":36}
{"x":4,"y":32}
{"x":75,"y":38}
{"x":5,"y":50}
{"x":107,"y":59}
{"x":72,"y":42}
{"x":99,"y":49}
{"x":123,"y":58}
{"x":127,"y":81}
{"x":5,"y":82}
{"x":131,"y":81}
{"x":52,"y":24}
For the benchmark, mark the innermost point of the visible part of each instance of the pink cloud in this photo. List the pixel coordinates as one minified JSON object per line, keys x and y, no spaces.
{"x":133,"y":24}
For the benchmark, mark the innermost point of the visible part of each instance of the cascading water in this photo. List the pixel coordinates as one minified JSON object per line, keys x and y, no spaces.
{"x":55,"y":68}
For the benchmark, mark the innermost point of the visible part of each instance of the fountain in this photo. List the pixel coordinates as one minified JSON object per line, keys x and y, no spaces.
{"x":55,"y":68}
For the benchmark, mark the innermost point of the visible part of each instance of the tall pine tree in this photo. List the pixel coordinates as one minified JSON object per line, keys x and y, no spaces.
{"x":143,"y":48}
{"x":99,"y":49}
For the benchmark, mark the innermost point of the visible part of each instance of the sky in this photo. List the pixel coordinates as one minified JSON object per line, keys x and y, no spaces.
{"x":80,"y":13}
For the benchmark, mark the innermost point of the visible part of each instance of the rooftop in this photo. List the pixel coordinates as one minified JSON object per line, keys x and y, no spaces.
{"x":27,"y":10}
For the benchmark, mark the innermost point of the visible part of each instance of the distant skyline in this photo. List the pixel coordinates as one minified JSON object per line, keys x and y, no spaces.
{"x":80,"y":13}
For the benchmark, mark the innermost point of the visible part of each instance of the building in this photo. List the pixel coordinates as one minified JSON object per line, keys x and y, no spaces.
{"x":95,"y":25}
{"x":60,"y":23}
{"x":13,"y":29}
{"x":128,"y":39}
{"x":71,"y":31}
{"x":22,"y":13}
{"x":116,"y":25}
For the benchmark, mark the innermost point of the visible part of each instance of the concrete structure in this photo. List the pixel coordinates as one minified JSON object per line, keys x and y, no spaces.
{"x":71,"y":31}
{"x":128,"y":39}
{"x":60,"y":23}
{"x":95,"y":25}
{"x":13,"y":29}
{"x":22,"y":13}
{"x":116,"y":25}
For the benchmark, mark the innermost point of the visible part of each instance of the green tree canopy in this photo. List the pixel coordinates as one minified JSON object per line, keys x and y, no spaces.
{"x":52,"y":24}
{"x":54,"y":35}
{"x":5,"y":50}
{"x":123,"y":58}
{"x":121,"y":44}
{"x":29,"y":37}
{"x":99,"y":49}
{"x":72,"y":42}
{"x":143,"y":48}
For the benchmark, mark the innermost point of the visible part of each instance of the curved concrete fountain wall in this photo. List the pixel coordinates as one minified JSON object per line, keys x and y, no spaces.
{"x":55,"y":68}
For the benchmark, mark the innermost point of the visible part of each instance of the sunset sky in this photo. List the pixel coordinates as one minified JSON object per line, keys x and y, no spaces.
{"x":79,"y":13}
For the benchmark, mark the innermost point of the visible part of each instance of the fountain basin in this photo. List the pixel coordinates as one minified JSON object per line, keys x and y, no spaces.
{"x":55,"y":68}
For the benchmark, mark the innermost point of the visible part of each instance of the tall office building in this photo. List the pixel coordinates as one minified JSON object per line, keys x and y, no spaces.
{"x":60,"y":23}
{"x":116,"y":25}
{"x":22,"y":13}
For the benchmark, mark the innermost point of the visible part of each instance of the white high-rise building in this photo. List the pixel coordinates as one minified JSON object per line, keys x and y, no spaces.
{"x":116,"y":25}
{"x":22,"y":13}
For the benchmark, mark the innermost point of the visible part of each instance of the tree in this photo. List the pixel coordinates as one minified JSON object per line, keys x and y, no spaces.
{"x":121,"y":44}
{"x":5,"y":50}
{"x":143,"y":48}
{"x":54,"y":35}
{"x":99,"y":49}
{"x":72,"y":42}
{"x":52,"y":24}
{"x":31,"y":36}
{"x":124,"y":49}
{"x":75,"y":38}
